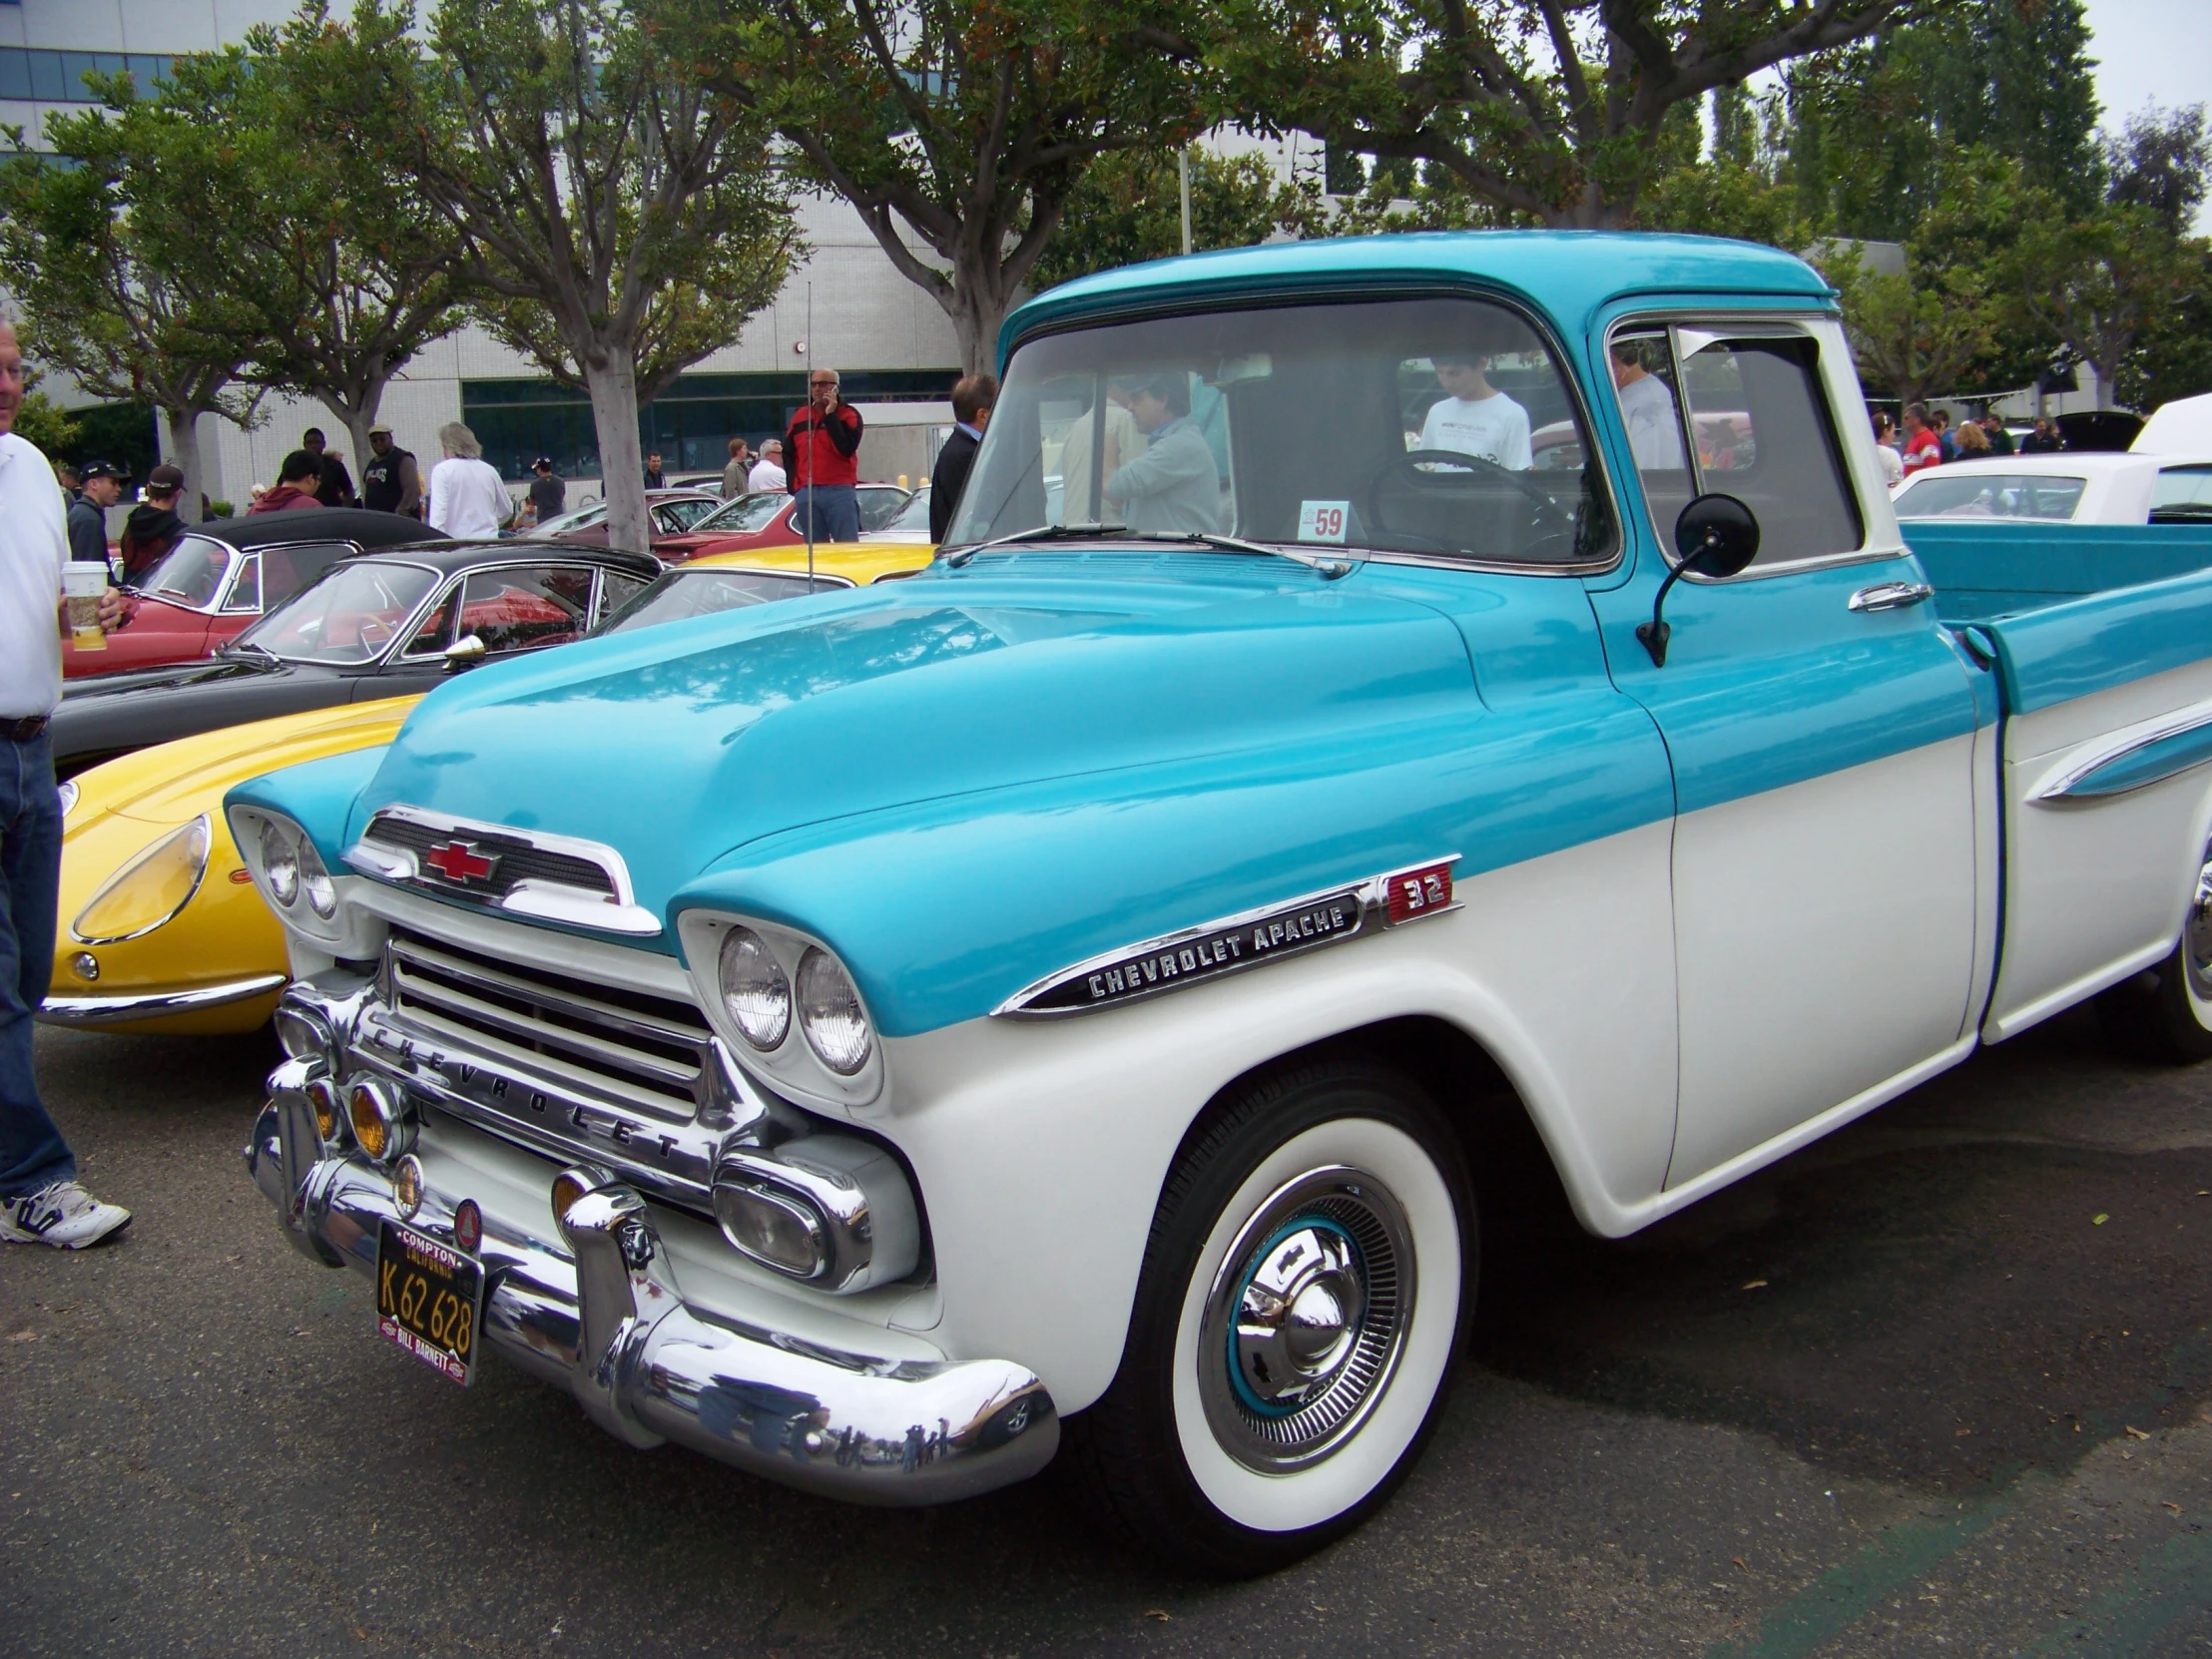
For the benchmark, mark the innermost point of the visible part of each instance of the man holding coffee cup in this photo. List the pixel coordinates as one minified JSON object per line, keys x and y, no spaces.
{"x":40,"y":1199}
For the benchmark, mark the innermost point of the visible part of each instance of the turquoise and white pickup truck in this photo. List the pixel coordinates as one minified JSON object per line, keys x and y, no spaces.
{"x":1380,"y":703}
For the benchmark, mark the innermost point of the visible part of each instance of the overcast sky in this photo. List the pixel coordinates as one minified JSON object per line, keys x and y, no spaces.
{"x":2151,"y":52}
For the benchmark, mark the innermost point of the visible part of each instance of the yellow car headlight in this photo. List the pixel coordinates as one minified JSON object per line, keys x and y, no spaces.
{"x":149,"y":891}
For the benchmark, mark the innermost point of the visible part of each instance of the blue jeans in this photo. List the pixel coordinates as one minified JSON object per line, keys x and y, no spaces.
{"x":835,"y":510}
{"x":33,"y":1154}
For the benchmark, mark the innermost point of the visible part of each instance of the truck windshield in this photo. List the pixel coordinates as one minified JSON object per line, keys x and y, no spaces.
{"x":1435,"y":426}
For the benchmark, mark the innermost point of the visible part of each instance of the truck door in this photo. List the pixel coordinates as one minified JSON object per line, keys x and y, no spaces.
{"x":1820,"y":731}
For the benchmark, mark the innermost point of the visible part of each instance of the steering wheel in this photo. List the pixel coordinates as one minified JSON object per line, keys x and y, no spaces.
{"x":1550,"y":514}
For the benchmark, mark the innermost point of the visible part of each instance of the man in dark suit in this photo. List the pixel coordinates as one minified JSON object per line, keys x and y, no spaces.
{"x":972,"y":399}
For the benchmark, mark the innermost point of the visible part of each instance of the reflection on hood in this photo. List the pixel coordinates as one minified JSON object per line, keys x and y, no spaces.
{"x":677,"y":742}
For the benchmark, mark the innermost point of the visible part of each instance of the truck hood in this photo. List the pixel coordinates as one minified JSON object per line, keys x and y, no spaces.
{"x":676,"y":744}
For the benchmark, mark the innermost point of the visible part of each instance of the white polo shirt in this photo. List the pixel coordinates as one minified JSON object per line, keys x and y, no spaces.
{"x":34,"y":545}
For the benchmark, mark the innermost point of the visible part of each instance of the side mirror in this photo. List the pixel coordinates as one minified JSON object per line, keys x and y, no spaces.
{"x":1715,"y":536}
{"x":466,"y":652}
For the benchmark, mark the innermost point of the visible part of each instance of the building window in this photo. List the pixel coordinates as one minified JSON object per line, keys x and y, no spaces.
{"x":28,"y":73}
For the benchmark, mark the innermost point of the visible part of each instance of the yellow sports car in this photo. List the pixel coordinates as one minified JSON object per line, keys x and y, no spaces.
{"x":161,"y":926}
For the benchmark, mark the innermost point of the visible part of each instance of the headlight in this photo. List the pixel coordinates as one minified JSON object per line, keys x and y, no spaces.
{"x":753,"y":990}
{"x":829,"y":1014}
{"x":281,"y":863}
{"x":68,"y":792}
{"x":148,"y":890}
{"x":322,"y":894}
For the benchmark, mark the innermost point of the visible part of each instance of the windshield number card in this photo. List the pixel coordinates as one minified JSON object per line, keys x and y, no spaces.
{"x":1322,"y":521}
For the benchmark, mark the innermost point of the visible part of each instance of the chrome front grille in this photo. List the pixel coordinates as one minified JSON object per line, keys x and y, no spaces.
{"x":518,"y":858}
{"x":631,"y":1048}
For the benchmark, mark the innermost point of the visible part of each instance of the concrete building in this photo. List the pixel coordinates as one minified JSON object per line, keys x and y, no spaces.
{"x":892,"y":343}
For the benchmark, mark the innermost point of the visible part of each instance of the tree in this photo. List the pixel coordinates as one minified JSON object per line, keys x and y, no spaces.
{"x":618,"y":210}
{"x":2173,"y":351}
{"x":2160,"y":161}
{"x":342,"y":274}
{"x":1914,"y":334}
{"x":44,"y":422}
{"x":1129,"y":208}
{"x":1873,"y":124}
{"x":1554,"y":110}
{"x":74,"y":251}
{"x":2100,"y":282}
{"x":970,"y":125}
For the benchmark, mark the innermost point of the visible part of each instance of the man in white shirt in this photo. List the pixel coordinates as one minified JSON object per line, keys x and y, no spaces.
{"x":1647,"y":410}
{"x":1475,"y":418}
{"x":767,"y":475}
{"x":467,"y":500}
{"x":40,"y":1200}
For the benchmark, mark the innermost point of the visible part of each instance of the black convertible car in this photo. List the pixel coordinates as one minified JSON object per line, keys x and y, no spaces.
{"x":381,"y":624}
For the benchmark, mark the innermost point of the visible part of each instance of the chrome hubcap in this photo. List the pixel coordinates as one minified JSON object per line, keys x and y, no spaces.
{"x":1304,"y":1321}
{"x":2196,"y":936}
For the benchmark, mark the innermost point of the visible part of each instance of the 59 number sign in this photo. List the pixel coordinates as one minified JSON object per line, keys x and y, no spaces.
{"x":1323,"y":520}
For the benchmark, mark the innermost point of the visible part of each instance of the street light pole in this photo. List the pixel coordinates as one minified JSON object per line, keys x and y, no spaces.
{"x":1183,"y":165}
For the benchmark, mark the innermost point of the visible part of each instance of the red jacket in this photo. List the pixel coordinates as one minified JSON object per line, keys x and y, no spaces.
{"x":824,"y":449}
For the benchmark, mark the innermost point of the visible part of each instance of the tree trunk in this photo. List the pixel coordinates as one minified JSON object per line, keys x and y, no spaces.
{"x":977,"y":310}
{"x":613,"y":384}
{"x":183,"y":454}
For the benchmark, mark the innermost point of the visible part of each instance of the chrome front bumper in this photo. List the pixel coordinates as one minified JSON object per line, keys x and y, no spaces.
{"x":124,"y":1008}
{"x":605,"y":1319}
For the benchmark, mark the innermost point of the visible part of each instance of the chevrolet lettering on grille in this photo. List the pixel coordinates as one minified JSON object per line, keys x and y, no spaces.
{"x":459,"y":861}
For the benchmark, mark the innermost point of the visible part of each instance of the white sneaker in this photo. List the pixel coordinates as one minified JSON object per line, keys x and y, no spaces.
{"x":63,"y":1214}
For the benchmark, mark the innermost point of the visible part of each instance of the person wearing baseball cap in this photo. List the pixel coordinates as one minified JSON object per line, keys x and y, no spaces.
{"x":153,"y":525}
{"x":390,"y":480}
{"x":88,"y":514}
{"x":548,"y":495}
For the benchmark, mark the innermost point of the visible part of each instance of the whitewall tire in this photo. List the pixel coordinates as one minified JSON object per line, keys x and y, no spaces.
{"x":1297,"y":1323}
{"x":2166,"y":1013}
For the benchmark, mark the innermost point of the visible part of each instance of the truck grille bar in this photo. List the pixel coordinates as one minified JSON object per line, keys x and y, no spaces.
{"x":628,"y":1047}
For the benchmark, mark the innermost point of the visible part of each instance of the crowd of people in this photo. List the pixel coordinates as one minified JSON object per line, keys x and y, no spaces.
{"x":1928,"y":437}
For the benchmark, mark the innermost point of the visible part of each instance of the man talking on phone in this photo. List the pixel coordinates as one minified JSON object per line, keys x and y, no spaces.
{"x":821,"y":449}
{"x":40,"y":1199}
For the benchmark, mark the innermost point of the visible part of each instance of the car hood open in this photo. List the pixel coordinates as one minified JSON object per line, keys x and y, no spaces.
{"x":675,"y":744}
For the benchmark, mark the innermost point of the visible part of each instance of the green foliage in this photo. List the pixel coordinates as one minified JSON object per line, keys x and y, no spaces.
{"x":2103,"y":282}
{"x":1724,"y":198}
{"x":115,"y":293}
{"x":1874,"y":124}
{"x":1549,"y":113}
{"x":969,"y":124}
{"x":1128,"y":208}
{"x":44,"y":422}
{"x":340,"y":274}
{"x":1915,"y":335}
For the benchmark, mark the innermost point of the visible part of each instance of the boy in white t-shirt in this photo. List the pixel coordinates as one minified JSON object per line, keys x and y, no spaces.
{"x":1475,"y":418}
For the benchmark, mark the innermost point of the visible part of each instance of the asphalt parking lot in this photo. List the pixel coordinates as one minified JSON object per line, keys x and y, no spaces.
{"x":1941,"y":1383}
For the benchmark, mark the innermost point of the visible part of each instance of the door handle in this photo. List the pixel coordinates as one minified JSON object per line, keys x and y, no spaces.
{"x":1891,"y":596}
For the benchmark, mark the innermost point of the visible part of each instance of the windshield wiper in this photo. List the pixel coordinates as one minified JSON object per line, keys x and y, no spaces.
{"x":1043,"y":532}
{"x":1331,"y":568}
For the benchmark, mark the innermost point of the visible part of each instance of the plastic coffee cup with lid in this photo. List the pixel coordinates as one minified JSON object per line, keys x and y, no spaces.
{"x":83,"y":584}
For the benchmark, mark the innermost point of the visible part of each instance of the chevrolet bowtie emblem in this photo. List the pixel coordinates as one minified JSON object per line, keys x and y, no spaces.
{"x":460,"y":861}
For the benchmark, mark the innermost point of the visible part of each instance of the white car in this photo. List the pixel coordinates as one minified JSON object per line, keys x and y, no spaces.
{"x":909,"y":524}
{"x":2069,"y":487}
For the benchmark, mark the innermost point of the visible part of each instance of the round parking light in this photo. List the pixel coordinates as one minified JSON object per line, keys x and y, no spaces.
{"x":379,"y":1124}
{"x":407,"y":1186}
{"x":303,"y":1034}
{"x":324,"y":1101}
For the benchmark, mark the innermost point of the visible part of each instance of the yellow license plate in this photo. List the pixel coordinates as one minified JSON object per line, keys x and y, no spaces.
{"x":429,"y":1300}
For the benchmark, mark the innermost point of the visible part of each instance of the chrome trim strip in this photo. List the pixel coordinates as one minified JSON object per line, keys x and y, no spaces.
{"x":2078,"y":780}
{"x":1368,"y":898}
{"x":123,"y":1008}
{"x":599,"y":1312}
{"x":541,"y":900}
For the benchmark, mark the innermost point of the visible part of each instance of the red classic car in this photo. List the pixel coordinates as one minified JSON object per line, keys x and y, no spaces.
{"x":222,"y":574}
{"x":763,"y":519}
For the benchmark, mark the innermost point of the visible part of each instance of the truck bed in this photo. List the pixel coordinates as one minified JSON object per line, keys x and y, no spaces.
{"x":2072,"y":609}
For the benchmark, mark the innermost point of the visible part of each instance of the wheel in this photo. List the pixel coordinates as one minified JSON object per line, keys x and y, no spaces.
{"x":1296,"y":1323}
{"x":2166,"y":1013}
